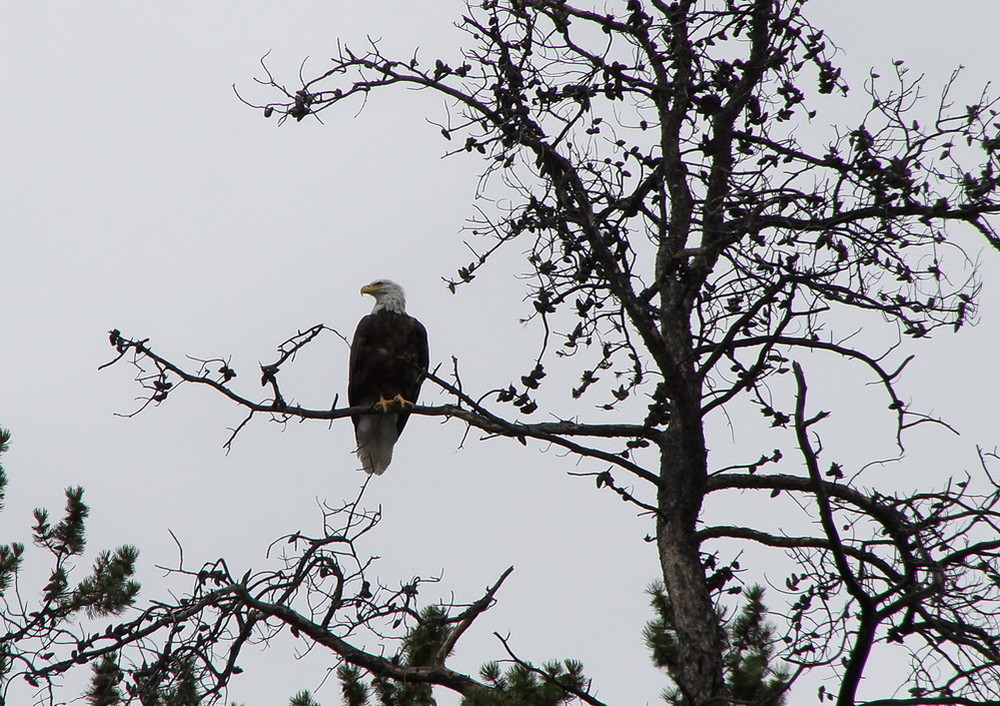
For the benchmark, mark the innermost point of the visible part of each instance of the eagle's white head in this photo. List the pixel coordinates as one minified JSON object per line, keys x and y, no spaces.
{"x":388,"y":296}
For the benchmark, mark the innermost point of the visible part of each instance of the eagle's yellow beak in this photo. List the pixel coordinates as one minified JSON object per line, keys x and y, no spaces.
{"x":369,"y":289}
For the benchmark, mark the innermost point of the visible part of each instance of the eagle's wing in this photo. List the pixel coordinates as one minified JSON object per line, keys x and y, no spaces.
{"x":359,"y":382}
{"x":416,"y":357}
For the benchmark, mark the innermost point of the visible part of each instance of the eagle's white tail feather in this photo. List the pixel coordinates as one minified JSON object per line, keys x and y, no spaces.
{"x":376,"y":435}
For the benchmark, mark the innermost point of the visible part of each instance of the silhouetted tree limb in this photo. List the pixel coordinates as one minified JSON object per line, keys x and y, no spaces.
{"x":201,"y":636}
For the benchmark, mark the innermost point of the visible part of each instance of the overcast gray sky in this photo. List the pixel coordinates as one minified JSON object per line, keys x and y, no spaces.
{"x":139,"y":193}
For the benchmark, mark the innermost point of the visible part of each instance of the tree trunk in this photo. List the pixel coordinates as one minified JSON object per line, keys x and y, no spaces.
{"x":683,"y":475}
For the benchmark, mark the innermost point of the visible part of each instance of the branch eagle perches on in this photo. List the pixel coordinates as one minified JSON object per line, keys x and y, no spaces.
{"x":159,"y":377}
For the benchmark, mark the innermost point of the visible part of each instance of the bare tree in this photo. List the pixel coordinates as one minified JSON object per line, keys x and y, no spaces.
{"x":688,"y":240}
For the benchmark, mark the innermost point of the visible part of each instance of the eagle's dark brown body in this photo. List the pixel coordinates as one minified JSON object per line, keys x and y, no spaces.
{"x":389,"y":358}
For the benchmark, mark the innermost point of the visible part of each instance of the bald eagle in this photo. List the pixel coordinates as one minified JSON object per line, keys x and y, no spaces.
{"x":388,"y":360}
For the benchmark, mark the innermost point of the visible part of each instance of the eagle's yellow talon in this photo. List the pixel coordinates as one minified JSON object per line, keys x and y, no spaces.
{"x":398,"y":402}
{"x":402,"y":401}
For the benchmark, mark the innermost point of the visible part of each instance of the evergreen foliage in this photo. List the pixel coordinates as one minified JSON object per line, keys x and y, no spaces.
{"x":750,"y":649}
{"x":175,"y":685}
{"x":68,"y":536}
{"x":523,"y":684}
{"x":32,"y":633}
{"x":4,"y":445}
{"x":303,"y":698}
{"x":10,"y":554}
{"x":355,"y":691}
{"x":751,"y":676}
{"x":104,"y":684}
{"x":108,"y":590}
